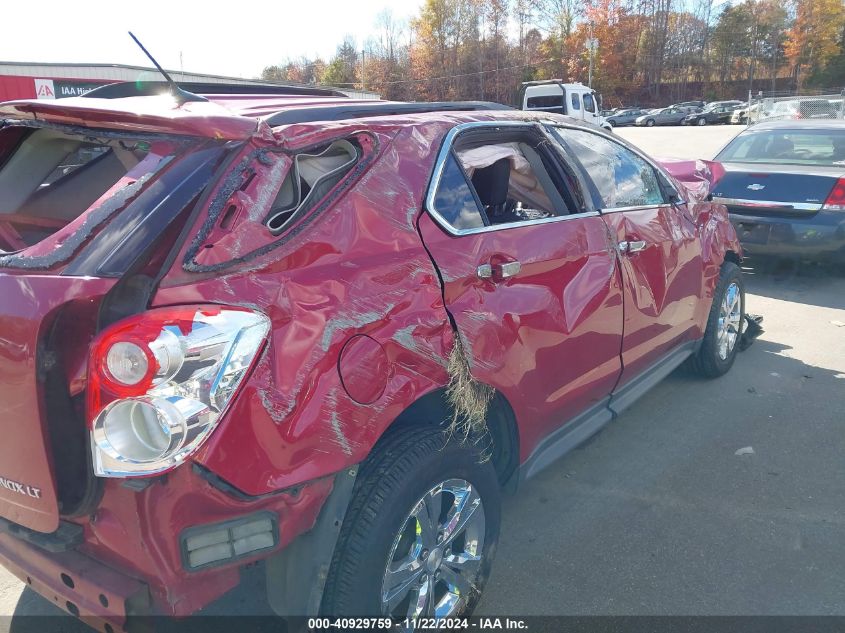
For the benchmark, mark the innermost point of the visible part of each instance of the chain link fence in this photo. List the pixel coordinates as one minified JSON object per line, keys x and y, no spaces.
{"x":775,"y":106}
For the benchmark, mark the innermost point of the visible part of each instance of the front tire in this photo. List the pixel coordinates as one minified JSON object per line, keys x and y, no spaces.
{"x":702,"y":121}
{"x":650,"y":123}
{"x":720,"y":345}
{"x":421,"y":530}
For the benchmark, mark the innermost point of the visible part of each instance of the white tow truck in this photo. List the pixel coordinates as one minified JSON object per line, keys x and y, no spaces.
{"x":572,"y":99}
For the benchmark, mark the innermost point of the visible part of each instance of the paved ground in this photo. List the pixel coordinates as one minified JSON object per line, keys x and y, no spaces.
{"x":672,"y":141}
{"x":657,"y":514}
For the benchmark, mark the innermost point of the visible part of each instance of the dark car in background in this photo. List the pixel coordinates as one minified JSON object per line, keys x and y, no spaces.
{"x":689,"y":104}
{"x":784,"y":186}
{"x":622,"y":118}
{"x":717,"y":112}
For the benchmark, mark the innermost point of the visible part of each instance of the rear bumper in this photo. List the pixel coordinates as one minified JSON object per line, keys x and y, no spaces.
{"x":819,"y":238}
{"x":77,"y":584}
{"x":133,"y":556}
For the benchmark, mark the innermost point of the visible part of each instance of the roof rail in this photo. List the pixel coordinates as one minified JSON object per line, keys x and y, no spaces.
{"x":376,"y":108}
{"x":152,"y":88}
{"x":546,"y":82}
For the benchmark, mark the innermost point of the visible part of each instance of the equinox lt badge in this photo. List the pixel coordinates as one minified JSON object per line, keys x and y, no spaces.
{"x":23,"y":489}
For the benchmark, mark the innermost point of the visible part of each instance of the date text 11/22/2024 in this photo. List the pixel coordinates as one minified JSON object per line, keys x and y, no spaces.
{"x":476,"y":623}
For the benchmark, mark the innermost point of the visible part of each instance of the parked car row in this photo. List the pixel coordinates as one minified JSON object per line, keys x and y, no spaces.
{"x":686,"y":113}
{"x":794,"y":109}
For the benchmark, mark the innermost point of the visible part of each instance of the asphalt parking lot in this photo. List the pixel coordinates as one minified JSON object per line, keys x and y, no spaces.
{"x":659,"y":514}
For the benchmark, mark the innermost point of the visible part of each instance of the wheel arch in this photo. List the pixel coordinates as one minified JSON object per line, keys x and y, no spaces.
{"x":733,"y":256}
{"x":434,"y":408}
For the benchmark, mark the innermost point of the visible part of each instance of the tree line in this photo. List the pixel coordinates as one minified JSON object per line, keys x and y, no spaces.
{"x":638,"y":52}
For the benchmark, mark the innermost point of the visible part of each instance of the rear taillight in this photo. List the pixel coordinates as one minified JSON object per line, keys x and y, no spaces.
{"x":160,"y":381}
{"x":836,"y":198}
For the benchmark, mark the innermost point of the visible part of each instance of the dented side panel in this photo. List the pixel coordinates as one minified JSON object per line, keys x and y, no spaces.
{"x":549,"y":337}
{"x":359,"y":268}
{"x":140,"y":531}
{"x":663,"y":284}
{"x":717,"y":237}
{"x":28,"y":490}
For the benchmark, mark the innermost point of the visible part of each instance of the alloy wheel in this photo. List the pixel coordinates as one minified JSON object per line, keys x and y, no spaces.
{"x":436,"y":556}
{"x":730,"y":321}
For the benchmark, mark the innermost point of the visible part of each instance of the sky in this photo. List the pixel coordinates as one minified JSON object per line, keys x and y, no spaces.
{"x":226,"y":38}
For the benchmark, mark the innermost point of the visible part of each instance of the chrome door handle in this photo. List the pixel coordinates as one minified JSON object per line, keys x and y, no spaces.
{"x":485,"y":271}
{"x":508,"y":269}
{"x":499,"y":271}
{"x":632,"y":247}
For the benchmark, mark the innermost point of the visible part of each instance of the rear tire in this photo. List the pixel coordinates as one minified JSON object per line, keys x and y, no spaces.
{"x":702,"y":121}
{"x":391,"y":553}
{"x":720,"y":345}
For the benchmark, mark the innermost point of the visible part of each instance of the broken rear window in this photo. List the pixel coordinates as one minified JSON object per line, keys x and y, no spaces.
{"x":49,"y":179}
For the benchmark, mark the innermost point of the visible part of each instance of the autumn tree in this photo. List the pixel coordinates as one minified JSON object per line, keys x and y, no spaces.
{"x":815,"y":36}
{"x":648,"y":51}
{"x":343,"y":69}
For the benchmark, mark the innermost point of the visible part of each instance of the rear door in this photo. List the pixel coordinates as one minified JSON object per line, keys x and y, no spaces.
{"x":529,"y":274}
{"x":659,"y":251}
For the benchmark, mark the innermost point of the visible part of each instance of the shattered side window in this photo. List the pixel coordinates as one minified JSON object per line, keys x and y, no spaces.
{"x":454,"y":201}
{"x":310,"y":178}
{"x":49,"y":179}
{"x":622,"y":178}
{"x":272,"y":195}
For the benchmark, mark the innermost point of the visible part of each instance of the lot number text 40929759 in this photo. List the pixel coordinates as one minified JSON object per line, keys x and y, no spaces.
{"x":477,"y":623}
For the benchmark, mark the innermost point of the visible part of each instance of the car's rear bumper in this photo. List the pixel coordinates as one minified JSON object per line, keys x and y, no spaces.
{"x":820,"y":237}
{"x":79,"y":585}
{"x":133,"y":555}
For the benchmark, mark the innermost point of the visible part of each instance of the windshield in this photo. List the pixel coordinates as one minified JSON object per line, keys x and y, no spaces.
{"x":790,"y":147}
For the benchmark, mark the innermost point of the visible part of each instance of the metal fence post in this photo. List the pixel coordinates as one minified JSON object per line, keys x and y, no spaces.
{"x":748,"y":111}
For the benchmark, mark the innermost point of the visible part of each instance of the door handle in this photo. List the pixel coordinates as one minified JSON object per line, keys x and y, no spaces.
{"x":498,"y":271}
{"x":632,"y":247}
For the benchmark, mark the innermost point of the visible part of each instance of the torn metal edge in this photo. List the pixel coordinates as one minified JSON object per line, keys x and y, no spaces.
{"x":216,"y":208}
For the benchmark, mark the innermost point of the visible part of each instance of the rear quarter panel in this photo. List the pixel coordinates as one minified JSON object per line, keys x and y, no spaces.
{"x":359,"y":268}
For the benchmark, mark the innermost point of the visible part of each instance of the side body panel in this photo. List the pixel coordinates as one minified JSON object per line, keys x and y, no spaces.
{"x":547,"y":338}
{"x":28,"y":492}
{"x":548,"y":334}
{"x":318,"y":400}
{"x":663,"y":284}
{"x":359,"y":332}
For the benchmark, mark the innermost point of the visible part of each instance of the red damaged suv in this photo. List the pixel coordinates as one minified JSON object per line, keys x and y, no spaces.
{"x":321,"y":333}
